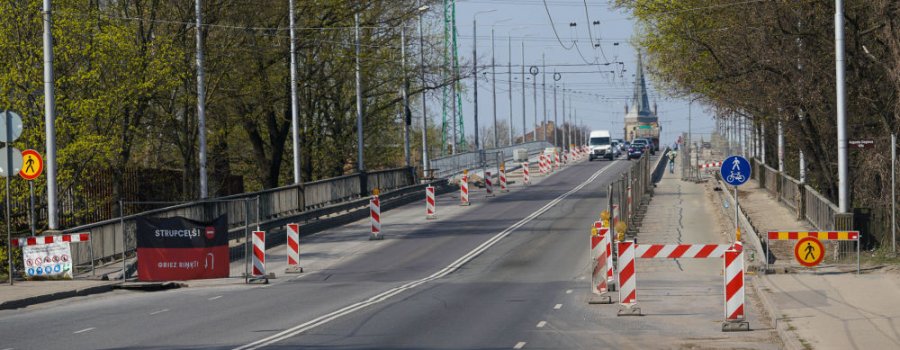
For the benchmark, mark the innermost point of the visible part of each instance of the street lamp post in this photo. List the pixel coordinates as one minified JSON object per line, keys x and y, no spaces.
{"x":360,"y":166}
{"x":524,"y":123}
{"x":424,"y":102}
{"x":534,"y":72}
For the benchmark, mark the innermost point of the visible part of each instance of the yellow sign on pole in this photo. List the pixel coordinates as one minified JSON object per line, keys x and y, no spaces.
{"x":32,"y":164}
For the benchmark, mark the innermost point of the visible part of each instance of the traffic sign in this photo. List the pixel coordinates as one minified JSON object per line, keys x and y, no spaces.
{"x":32,"y":165}
{"x":735,"y":170}
{"x":15,"y":123}
{"x":16,"y":161}
{"x":809,"y":251}
{"x":862,"y":143}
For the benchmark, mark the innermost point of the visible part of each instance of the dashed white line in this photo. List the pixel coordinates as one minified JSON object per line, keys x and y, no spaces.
{"x":557,"y":307}
{"x":215,"y":297}
{"x":84,"y":330}
{"x":541,"y":324}
{"x":568,"y":291}
{"x":519,"y":345}
{"x":8,"y":349}
{"x":378,"y":298}
{"x":158,"y":312}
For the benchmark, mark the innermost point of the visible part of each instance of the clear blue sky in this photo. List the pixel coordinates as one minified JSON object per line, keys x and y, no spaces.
{"x":599,"y":98}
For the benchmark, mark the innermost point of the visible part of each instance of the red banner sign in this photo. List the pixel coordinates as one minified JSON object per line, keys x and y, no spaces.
{"x":182,"y":249}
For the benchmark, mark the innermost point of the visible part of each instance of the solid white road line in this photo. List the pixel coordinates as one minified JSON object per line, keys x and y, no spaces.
{"x":324,"y":319}
{"x":158,"y":312}
{"x":557,"y":306}
{"x":84,"y":330}
{"x":541,"y":324}
{"x":568,"y":291}
{"x":215,"y":297}
{"x":520,"y":345}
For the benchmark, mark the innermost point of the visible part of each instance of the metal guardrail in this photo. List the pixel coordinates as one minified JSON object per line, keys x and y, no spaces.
{"x":283,"y":202}
{"x":819,"y":210}
{"x":790,"y":192}
{"x":627,"y":192}
{"x":771,"y":178}
{"x":450,"y":165}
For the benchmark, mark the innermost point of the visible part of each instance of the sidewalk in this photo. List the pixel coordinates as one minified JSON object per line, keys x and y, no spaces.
{"x":317,"y":251}
{"x":826,"y":308}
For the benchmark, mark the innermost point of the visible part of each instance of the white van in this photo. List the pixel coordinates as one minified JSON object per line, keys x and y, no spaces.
{"x":600,"y":145}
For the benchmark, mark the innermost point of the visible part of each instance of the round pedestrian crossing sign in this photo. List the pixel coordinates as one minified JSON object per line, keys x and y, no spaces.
{"x":32,"y":164}
{"x":809,"y":251}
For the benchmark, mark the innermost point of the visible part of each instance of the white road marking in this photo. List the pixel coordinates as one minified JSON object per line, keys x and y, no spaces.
{"x":215,"y":297}
{"x":568,"y":291}
{"x":520,"y":345}
{"x":158,"y":312}
{"x":541,"y":324}
{"x":8,"y":349}
{"x":379,"y":298}
{"x":557,"y":307}
{"x":84,"y":330}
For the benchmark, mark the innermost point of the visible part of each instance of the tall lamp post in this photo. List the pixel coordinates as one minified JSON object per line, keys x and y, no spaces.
{"x":425,"y":165}
{"x":475,"y":72}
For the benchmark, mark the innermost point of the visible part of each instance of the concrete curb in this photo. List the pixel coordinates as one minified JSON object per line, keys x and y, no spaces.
{"x":40,"y":299}
{"x":788,"y":338}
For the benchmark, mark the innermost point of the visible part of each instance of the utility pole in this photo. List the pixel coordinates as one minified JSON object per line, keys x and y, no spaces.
{"x":780,"y":148}
{"x":201,"y":103}
{"x":555,"y":117}
{"x":360,"y":166}
{"x":475,"y":80}
{"x":509,"y":71}
{"x":494,"y":89}
{"x":524,"y":123}
{"x":544,"y":89}
{"x":407,"y":118}
{"x":843,"y":195}
{"x":295,"y":118}
{"x":49,"y":122}
{"x":565,"y":130}
{"x":690,"y":140}
{"x":534,"y":72}
{"x":425,"y":165}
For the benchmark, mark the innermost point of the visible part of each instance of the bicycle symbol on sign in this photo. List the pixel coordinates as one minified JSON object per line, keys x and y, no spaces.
{"x":736,"y":174}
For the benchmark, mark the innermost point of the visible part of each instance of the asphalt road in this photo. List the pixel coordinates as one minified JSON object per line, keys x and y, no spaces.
{"x":486,"y":278}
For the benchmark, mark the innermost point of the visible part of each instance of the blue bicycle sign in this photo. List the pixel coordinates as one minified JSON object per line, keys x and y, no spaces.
{"x":735,"y":170}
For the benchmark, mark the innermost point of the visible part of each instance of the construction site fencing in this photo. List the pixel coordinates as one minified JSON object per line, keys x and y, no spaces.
{"x":268,"y":206}
{"x":455,"y":164}
{"x":628,"y":195}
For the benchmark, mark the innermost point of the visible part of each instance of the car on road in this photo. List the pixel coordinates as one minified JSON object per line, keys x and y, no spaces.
{"x":638,"y":148}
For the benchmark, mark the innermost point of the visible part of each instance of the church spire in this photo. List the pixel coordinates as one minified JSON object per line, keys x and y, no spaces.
{"x":640,"y":100}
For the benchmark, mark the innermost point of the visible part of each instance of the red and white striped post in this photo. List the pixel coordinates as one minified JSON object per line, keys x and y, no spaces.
{"x":503,"y":187}
{"x":293,"y":249}
{"x":610,"y":275}
{"x":525,"y":178}
{"x":375,"y":218}
{"x":734,"y":292}
{"x":429,"y":203}
{"x":259,"y":255}
{"x":464,"y":190}
{"x":615,"y":214}
{"x":599,"y":283}
{"x":627,"y":280}
{"x":541,"y":166}
{"x":488,"y":184}
{"x":556,"y":160}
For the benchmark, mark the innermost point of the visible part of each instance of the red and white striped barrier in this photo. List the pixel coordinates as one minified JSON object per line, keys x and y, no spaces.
{"x":42,"y":240}
{"x":615,"y":215}
{"x":375,"y":218}
{"x":525,"y":178}
{"x":599,"y":283}
{"x":607,"y":241}
{"x":488,"y":184}
{"x":627,"y":283}
{"x":293,"y":249}
{"x":259,"y":254}
{"x":464,"y":190}
{"x":543,"y":164}
{"x":556,"y":160}
{"x":503,"y":187}
{"x":734,"y":286}
{"x":429,"y":203}
{"x":677,"y":251}
{"x":711,"y":165}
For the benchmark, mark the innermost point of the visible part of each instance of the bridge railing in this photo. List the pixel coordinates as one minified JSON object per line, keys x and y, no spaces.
{"x":267,"y":205}
{"x":455,"y":164}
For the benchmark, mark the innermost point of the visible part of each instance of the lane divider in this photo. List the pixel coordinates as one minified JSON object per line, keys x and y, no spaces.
{"x":383,"y":296}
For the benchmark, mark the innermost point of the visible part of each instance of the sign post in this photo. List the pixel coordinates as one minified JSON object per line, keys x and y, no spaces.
{"x":736,"y":171}
{"x":11,"y":130}
{"x":32,"y":166}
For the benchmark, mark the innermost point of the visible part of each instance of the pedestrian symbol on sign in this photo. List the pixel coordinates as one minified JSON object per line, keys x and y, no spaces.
{"x":809,"y":251}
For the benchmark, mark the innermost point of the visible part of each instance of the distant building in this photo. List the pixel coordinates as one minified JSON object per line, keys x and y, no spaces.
{"x":640,"y":120}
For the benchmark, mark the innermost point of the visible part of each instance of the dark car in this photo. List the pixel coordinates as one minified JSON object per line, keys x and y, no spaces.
{"x":635,"y":151}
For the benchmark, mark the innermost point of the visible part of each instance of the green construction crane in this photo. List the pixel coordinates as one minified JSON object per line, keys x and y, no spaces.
{"x":451,"y":109}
